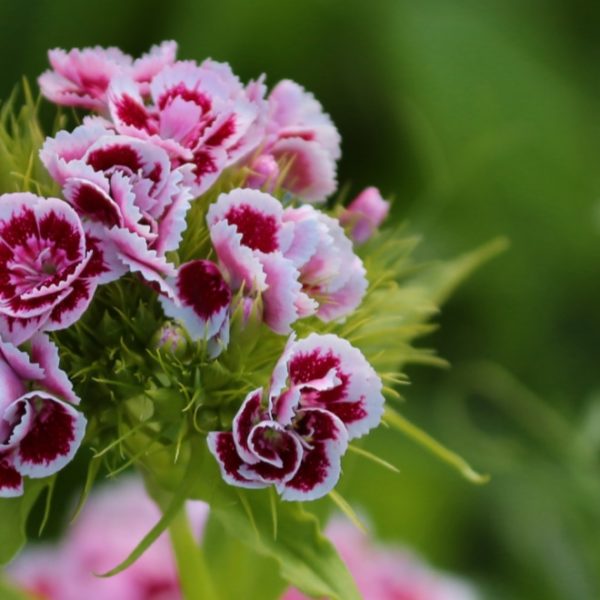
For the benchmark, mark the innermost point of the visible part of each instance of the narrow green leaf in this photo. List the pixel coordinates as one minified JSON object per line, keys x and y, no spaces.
{"x":13,"y":519}
{"x":170,"y":512}
{"x":398,"y":422}
{"x":347,"y":509}
{"x":92,"y":473}
{"x":374,"y":458}
{"x":48,"y":505}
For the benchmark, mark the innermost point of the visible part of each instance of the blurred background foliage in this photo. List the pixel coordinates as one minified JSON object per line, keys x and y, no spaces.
{"x":479,"y":118}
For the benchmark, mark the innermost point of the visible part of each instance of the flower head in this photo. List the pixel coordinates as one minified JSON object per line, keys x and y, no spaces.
{"x":125,"y":186}
{"x":256,"y":247}
{"x":301,"y":458}
{"x":200,"y":114}
{"x":81,"y":77}
{"x":49,"y":265}
{"x":40,"y":431}
{"x":323,"y":393}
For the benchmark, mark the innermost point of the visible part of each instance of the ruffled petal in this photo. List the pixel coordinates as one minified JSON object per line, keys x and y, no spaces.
{"x":283,"y":292}
{"x":320,"y":469}
{"x":357,"y":398}
{"x":241,"y":264}
{"x":54,"y":380}
{"x":202,"y":301}
{"x":53,"y":438}
{"x":11,"y":481}
{"x":133,"y":251}
{"x":222,"y":447}
{"x":249,"y":415}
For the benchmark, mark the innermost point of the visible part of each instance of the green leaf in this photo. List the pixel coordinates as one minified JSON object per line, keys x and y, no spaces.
{"x":13,"y":519}
{"x":256,"y":576}
{"x":441,"y":279}
{"x":398,"y":422}
{"x":306,"y":558}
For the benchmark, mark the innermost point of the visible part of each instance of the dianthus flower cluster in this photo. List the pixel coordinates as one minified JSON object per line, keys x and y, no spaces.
{"x":160,"y":135}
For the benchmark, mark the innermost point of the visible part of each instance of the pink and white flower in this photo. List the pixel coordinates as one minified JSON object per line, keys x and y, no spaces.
{"x":127,"y":187}
{"x":301,"y":147}
{"x":301,"y":458}
{"x":365,"y":214}
{"x":323,"y":393}
{"x":258,"y":252}
{"x":80,"y":77}
{"x":200,"y":114}
{"x":40,"y":431}
{"x":328,"y":373}
{"x":332,"y":275}
{"x":49,"y":266}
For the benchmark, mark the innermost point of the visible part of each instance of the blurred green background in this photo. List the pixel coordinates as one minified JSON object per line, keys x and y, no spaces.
{"x":479,"y":118}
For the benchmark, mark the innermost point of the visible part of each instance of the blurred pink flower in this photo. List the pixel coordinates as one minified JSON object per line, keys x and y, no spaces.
{"x":383,"y":573}
{"x":114,"y":520}
{"x":365,"y":214}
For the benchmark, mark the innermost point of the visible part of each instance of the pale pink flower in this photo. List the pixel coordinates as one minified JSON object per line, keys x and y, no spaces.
{"x":80,"y":77}
{"x":387,"y":573}
{"x":365,"y":214}
{"x":114,"y":520}
{"x":128,"y":188}
{"x":40,"y":431}
{"x":331,"y":274}
{"x":301,"y":147}
{"x":200,"y":114}
{"x":49,"y":265}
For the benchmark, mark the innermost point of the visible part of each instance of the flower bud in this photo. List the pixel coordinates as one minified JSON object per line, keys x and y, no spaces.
{"x":265,"y":172}
{"x":170,"y":338}
{"x":365,"y":214}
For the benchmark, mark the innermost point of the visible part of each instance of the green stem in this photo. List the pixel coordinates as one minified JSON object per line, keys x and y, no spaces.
{"x":195,"y":577}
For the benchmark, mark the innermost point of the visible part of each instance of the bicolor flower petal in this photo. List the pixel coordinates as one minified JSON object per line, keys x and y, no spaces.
{"x":202,"y":299}
{"x":333,"y":275}
{"x":48,"y":267}
{"x":330,"y":374}
{"x":40,"y":431}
